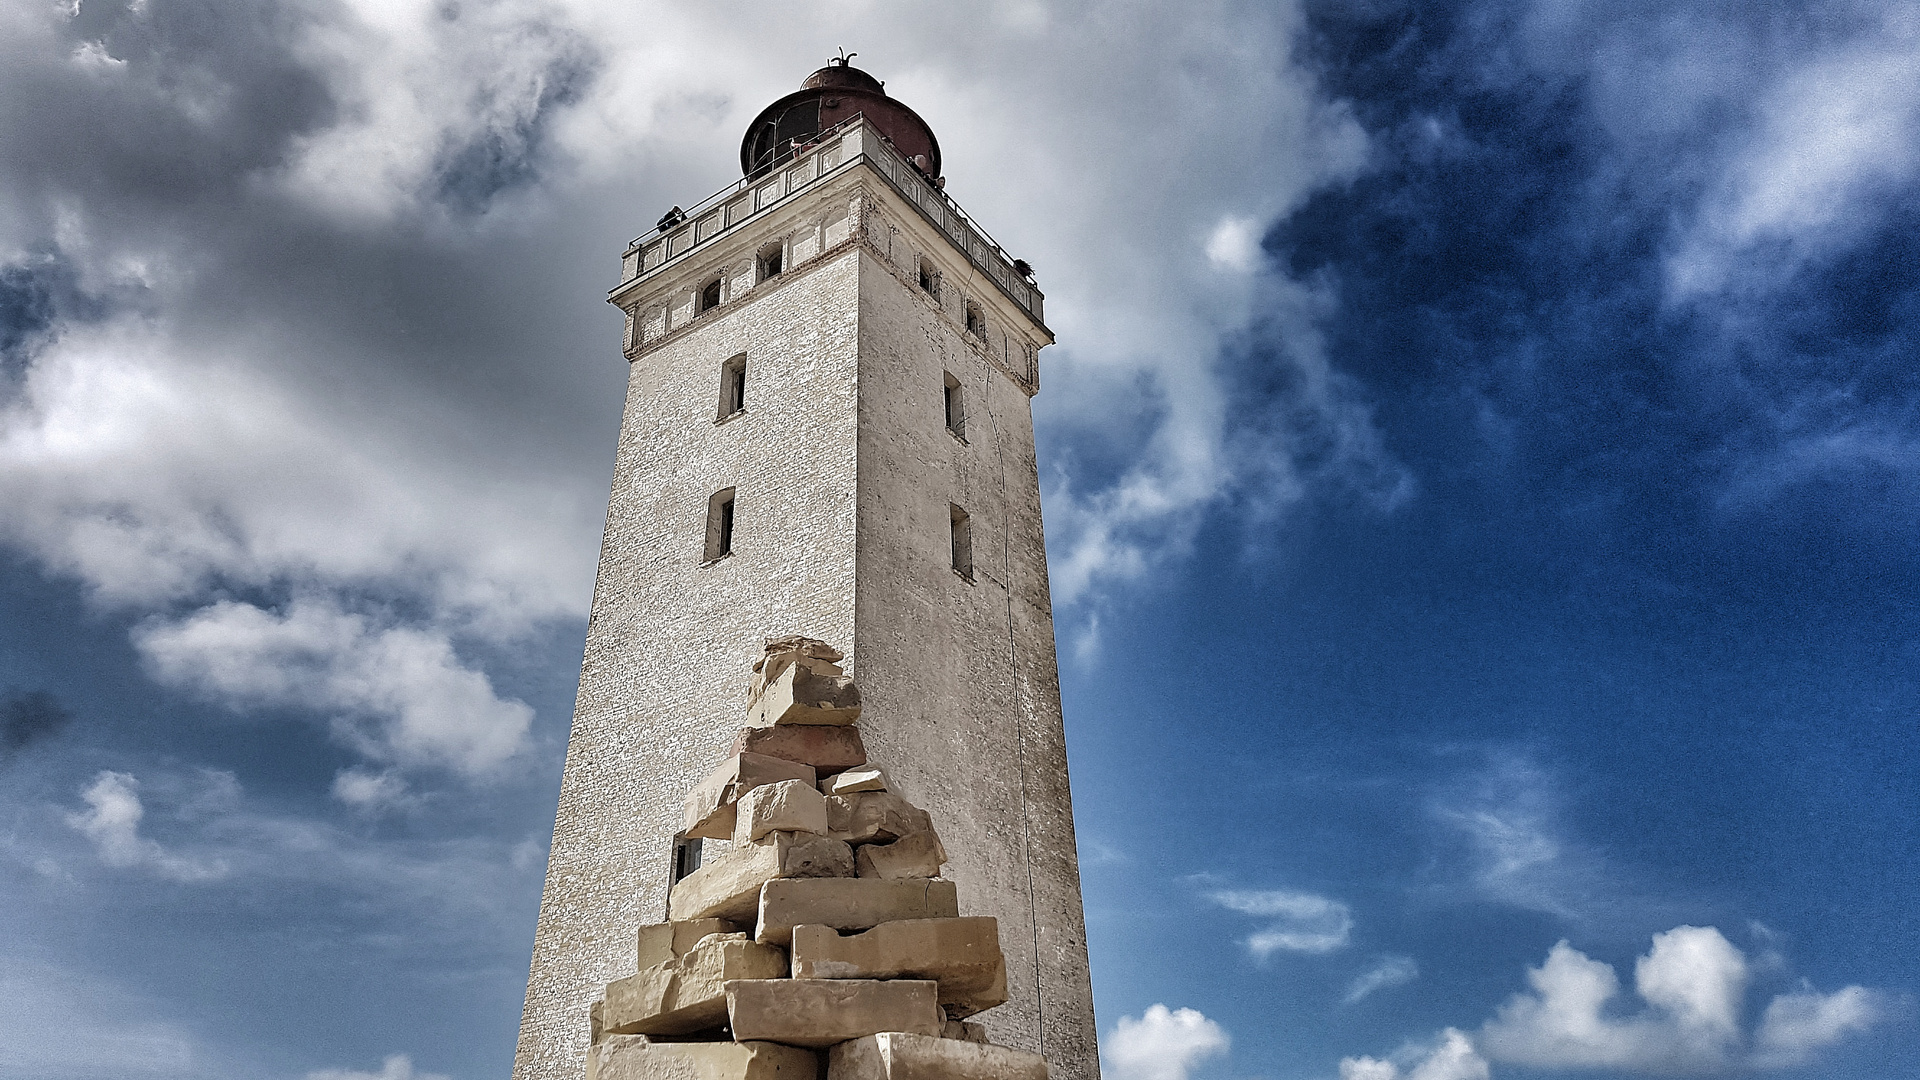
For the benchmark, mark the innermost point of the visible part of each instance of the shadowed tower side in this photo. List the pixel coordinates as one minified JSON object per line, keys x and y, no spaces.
{"x":827,"y":432}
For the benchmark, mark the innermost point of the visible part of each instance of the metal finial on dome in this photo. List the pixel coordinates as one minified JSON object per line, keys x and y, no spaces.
{"x":845,"y":59}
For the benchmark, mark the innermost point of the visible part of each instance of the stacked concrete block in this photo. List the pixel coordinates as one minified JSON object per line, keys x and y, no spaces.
{"x":800,"y":682}
{"x":713,"y":803}
{"x":823,"y":944}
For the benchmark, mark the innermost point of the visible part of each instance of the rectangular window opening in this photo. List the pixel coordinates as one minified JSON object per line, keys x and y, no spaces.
{"x":962,"y":542}
{"x":976,"y":322}
{"x":929,"y":279}
{"x":720,"y":525}
{"x":686,"y":856}
{"x":710,"y":295}
{"x":956,"y":406}
{"x":770,"y":261}
{"x":733,"y":386}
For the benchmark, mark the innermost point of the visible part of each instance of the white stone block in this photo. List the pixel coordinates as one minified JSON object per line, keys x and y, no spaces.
{"x":687,"y":994}
{"x":729,"y":887}
{"x":709,"y":808}
{"x":917,"y":856}
{"x":635,"y":1057}
{"x":802,"y":696}
{"x":868,"y":817}
{"x":962,"y":955}
{"x":866,"y":778}
{"x":850,"y":904}
{"x":812,"y":1012}
{"x":897,"y":1055}
{"x":661,"y":942}
{"x":788,"y":806}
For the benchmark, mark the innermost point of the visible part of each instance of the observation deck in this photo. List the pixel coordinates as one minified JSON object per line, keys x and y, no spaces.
{"x":831,"y":153}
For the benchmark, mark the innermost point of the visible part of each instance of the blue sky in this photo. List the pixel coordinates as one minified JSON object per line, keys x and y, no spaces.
{"x":1480,"y":463}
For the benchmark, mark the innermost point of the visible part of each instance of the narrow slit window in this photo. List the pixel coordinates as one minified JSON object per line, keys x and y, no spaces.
{"x":771,"y":261}
{"x":956,"y":405}
{"x":720,"y":525}
{"x":929,"y":279}
{"x":962,"y":543}
{"x":976,"y":322}
{"x":733,"y":386}
{"x":686,"y":856}
{"x":710,"y":295}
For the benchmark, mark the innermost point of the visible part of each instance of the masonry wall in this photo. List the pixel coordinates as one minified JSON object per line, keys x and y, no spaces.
{"x":959,"y":676}
{"x":671,"y":642}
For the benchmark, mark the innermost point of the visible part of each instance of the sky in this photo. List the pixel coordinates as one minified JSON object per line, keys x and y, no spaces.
{"x":1480,"y":461}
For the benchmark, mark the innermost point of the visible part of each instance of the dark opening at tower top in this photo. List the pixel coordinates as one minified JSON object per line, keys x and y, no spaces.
{"x":835,"y":93}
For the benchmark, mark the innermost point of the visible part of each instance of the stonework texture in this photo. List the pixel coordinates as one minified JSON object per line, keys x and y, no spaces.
{"x":845,"y":475}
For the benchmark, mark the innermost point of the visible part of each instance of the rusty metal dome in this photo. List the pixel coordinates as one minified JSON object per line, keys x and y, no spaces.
{"x":835,"y":93}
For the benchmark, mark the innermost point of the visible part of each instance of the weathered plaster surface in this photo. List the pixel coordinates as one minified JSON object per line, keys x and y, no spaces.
{"x":845,"y":471}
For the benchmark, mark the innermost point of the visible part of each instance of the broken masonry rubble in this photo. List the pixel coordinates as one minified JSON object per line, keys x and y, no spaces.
{"x":823,"y":943}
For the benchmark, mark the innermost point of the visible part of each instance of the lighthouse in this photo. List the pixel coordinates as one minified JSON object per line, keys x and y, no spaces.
{"x":828,"y":433}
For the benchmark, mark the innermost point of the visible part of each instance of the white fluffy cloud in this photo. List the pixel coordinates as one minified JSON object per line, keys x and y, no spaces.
{"x":1692,"y":988}
{"x":152,"y":475}
{"x":1798,"y":1023}
{"x":1302,"y":922}
{"x":1235,"y":244}
{"x":112,"y":822}
{"x":428,"y":91}
{"x":398,"y":694}
{"x":1163,"y":1044}
{"x":1451,"y":1057}
{"x":396,"y":1067}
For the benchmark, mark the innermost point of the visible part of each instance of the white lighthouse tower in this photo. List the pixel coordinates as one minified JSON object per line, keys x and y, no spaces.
{"x":828,"y":432}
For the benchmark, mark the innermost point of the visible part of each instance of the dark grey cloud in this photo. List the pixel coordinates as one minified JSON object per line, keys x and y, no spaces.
{"x":154,"y":107}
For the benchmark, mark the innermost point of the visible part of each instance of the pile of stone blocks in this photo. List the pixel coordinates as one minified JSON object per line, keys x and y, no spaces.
{"x":823,"y":942}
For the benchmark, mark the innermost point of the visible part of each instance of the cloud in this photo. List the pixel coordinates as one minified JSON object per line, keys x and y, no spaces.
{"x":112,"y":822}
{"x":396,"y":1067}
{"x":368,"y":790}
{"x":401,"y":695}
{"x":1451,"y":1057}
{"x":1150,"y":327}
{"x":1833,"y":135}
{"x":441,"y":106}
{"x":1798,"y":1023}
{"x":1509,"y":814}
{"x":1388,"y":972}
{"x":1757,"y":150}
{"x":27,"y":718}
{"x":1305,"y":922}
{"x":1693,"y":985}
{"x":1234,"y":244}
{"x":334,"y":331}
{"x":1163,"y":1044}
{"x":468,"y":890}
{"x":153,"y":477}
